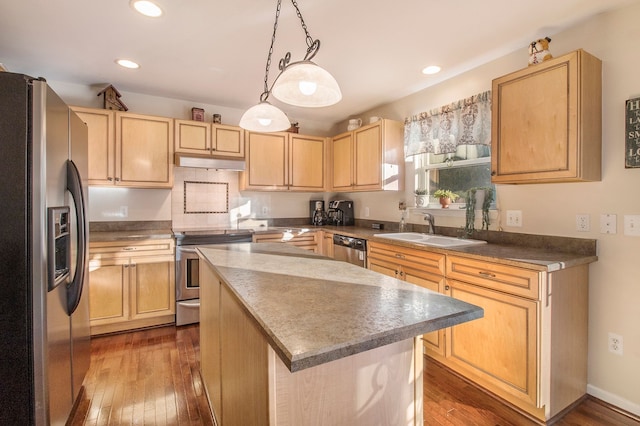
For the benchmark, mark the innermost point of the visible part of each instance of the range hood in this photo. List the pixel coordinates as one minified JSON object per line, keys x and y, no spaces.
{"x":205,"y":162}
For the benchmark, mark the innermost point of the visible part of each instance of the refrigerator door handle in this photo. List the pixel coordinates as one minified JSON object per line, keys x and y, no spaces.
{"x":74,"y":186}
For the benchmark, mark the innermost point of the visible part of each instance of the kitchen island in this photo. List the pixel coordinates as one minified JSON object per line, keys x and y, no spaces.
{"x":292,"y":338}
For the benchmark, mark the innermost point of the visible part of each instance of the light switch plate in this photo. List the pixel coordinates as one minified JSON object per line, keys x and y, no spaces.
{"x":632,"y":225}
{"x":608,"y":224}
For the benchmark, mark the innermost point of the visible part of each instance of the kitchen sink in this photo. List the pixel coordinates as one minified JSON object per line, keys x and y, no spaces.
{"x":430,"y":240}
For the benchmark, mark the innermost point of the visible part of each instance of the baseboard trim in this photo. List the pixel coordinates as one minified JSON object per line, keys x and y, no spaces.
{"x":615,"y":402}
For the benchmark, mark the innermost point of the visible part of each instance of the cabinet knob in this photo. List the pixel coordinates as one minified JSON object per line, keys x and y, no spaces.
{"x":446,"y":287}
{"x":493,"y":173}
{"x":109,"y":178}
{"x":401,"y":274}
{"x":117,"y":179}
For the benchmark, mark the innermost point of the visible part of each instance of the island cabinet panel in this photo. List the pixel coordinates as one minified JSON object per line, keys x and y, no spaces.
{"x":419,"y":267}
{"x":131,"y":285}
{"x":547,"y":122}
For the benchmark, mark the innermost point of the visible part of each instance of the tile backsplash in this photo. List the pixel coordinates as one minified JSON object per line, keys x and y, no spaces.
{"x":203,"y":198}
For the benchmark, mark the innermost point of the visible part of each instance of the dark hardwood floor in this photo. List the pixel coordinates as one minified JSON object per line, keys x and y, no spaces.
{"x":151,"y":377}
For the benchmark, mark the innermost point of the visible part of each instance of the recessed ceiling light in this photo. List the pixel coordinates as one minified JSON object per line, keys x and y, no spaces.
{"x":147,"y":8}
{"x":127,"y":63}
{"x":431,"y":69}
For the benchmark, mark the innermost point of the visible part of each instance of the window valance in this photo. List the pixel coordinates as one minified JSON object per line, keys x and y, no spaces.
{"x":447,"y":129}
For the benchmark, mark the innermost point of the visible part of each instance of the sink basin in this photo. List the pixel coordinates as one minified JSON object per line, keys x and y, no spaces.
{"x":430,"y":240}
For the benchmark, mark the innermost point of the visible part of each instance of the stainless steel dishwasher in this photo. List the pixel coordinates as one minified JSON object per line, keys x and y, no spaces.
{"x":349,"y":249}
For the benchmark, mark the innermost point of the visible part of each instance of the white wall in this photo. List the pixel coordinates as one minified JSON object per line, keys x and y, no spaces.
{"x":548,"y":209}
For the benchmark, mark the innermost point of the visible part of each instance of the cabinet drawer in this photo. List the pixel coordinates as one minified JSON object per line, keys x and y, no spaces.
{"x":509,"y":279}
{"x":286,"y":237}
{"x":113,"y":249}
{"x":428,"y":261}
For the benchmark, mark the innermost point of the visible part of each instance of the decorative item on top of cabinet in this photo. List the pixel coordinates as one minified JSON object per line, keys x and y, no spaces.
{"x":369,"y":158}
{"x":547,"y":122}
{"x":284,"y":161}
{"x":208,"y":139}
{"x":129,"y":150}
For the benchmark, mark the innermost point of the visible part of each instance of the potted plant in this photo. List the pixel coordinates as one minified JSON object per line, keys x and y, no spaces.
{"x":422,"y":197}
{"x":445,"y":196}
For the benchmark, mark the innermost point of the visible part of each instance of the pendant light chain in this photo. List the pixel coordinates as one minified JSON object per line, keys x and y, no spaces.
{"x":265,"y":94}
{"x":312,"y":45}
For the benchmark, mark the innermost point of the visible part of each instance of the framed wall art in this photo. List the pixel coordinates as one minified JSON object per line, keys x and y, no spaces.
{"x":632,"y":132}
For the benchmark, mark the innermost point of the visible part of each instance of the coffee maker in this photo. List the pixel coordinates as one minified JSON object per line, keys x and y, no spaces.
{"x":340,"y":213}
{"x":317,"y":213}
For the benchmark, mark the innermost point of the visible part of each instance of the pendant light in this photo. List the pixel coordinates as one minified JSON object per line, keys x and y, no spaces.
{"x":300,"y":83}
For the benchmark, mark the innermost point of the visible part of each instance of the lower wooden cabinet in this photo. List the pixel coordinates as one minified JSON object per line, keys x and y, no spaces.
{"x":304,"y":239}
{"x":327,"y":244}
{"x":417,"y":267}
{"x":131,"y":285}
{"x":530,"y":348}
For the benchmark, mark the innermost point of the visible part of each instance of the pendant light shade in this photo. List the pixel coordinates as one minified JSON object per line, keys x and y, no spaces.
{"x":264,"y":117}
{"x":305,"y":84}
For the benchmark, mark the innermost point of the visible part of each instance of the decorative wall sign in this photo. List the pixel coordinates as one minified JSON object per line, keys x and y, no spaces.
{"x":206,"y":197}
{"x":632,"y":128}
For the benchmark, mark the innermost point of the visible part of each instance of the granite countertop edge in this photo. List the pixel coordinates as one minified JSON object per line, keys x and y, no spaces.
{"x":295,"y":358}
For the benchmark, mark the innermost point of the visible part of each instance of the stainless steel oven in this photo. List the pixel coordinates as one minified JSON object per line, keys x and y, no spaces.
{"x":187,"y":275}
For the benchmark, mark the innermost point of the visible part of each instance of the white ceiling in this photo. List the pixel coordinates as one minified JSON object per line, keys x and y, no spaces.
{"x":214,"y":52}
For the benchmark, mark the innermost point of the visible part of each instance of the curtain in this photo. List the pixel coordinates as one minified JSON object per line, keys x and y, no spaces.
{"x":446,"y":129}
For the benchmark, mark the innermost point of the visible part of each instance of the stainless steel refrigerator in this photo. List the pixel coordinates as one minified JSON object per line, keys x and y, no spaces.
{"x":44,"y":307}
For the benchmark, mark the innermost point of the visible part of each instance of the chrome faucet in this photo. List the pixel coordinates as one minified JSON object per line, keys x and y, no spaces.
{"x":431,"y":221}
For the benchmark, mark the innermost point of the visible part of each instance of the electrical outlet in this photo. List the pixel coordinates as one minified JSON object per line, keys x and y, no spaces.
{"x":265,"y":210}
{"x":366,"y":212}
{"x":514,"y":218}
{"x":124,"y":211}
{"x":615,"y":344}
{"x":632,"y":225}
{"x":582,"y":222}
{"x":608,"y":224}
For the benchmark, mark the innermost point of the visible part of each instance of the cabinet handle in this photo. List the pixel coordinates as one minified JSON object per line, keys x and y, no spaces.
{"x":401,"y":274}
{"x":446,"y":287}
{"x":128,"y":248}
{"x":109,"y":178}
{"x":487,"y":274}
{"x":126,"y":266}
{"x":117,"y":179}
{"x":396,"y":273}
{"x":400,"y":255}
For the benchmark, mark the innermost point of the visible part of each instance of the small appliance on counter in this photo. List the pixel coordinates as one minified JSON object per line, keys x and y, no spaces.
{"x":340,"y":213}
{"x":317,"y":213}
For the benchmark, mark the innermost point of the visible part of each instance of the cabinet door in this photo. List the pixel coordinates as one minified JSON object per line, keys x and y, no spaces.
{"x":100,"y":126}
{"x":367,"y":143}
{"x":108,"y":291}
{"x":306,"y":163}
{"x":434,"y":341}
{"x":193,"y":137}
{"x":382,"y":267}
{"x":266,"y":161}
{"x":144,"y":151}
{"x":500,"y":350}
{"x":547,"y":122}
{"x":342,"y":162}
{"x":152,"y":286}
{"x":227,"y":141}
{"x":327,"y":244}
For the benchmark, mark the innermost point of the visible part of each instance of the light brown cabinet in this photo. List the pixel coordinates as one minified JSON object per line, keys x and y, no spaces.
{"x":131,"y":285}
{"x":327,"y":244}
{"x":207,"y":139}
{"x":547,"y":122}
{"x":284,"y":161}
{"x":130,"y":150}
{"x":369,"y":158}
{"x":422,"y":268}
{"x":530,"y":348}
{"x":308,"y":240}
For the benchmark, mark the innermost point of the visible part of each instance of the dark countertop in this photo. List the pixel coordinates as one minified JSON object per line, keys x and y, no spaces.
{"x":314,"y":310}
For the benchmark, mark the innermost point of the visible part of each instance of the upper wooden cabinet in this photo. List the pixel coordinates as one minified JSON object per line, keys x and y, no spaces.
{"x":369,"y":158}
{"x":284,"y":161}
{"x":128,"y":149}
{"x":547,"y":122}
{"x":217,"y":140}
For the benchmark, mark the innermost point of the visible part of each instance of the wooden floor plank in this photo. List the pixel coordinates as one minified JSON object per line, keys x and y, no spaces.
{"x":153,"y":377}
